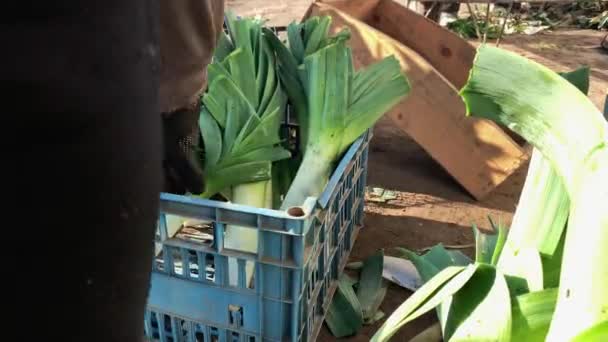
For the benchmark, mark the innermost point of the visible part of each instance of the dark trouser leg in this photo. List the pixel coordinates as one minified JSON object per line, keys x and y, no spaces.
{"x":85,"y":166}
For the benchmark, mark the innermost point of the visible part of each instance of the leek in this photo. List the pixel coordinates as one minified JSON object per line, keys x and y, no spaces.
{"x":334,"y":104}
{"x":536,"y":249}
{"x":538,"y":104}
{"x":244,"y":107}
{"x":304,"y":39}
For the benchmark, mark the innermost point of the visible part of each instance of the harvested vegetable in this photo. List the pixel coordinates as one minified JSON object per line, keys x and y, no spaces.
{"x":540,"y":105}
{"x":240,"y":123}
{"x":372,"y":287}
{"x":347,"y":313}
{"x":344,"y":317}
{"x":527,"y":262}
{"x":334,"y":104}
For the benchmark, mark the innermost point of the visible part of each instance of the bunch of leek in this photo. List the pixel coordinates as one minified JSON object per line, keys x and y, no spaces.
{"x":245,"y":103}
{"x":548,"y":279}
{"x":334,"y":103}
{"x":239,"y":123}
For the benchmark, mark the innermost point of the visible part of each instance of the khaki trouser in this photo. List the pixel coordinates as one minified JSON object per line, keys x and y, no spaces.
{"x":188,"y":33}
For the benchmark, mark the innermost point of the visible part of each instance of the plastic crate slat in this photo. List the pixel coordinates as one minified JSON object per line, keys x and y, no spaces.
{"x":237,"y":214}
{"x":201,"y":303}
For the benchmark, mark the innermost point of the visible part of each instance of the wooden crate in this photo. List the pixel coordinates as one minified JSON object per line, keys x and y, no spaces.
{"x":479,"y":154}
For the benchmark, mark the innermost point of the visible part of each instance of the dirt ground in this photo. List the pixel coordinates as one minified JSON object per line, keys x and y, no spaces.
{"x":430,"y":206}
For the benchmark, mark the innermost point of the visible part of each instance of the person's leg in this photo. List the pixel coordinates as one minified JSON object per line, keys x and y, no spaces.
{"x":188,"y":33}
{"x":81,"y":95}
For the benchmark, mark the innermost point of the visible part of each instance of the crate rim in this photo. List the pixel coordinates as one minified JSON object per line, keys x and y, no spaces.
{"x":310,"y":205}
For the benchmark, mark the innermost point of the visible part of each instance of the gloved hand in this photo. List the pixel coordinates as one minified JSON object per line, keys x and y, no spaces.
{"x":182,"y":162}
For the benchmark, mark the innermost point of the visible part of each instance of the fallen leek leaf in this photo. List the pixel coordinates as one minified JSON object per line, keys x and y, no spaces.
{"x":372,"y":288}
{"x":481,"y":309}
{"x":429,"y":296}
{"x":344,"y":316}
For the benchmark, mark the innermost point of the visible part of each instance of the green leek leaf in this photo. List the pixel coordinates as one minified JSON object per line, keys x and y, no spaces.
{"x":532,"y":313}
{"x":372,"y":288}
{"x":344,"y":317}
{"x":481,"y":309}
{"x":485,"y":244}
{"x":598,"y":332}
{"x":539,"y":104}
{"x":429,"y":296}
{"x":578,"y":78}
{"x":296,"y":45}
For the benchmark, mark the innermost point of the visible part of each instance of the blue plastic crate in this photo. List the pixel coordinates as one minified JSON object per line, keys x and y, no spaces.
{"x":296,"y":266}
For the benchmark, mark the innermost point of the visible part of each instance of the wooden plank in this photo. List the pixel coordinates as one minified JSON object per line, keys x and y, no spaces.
{"x":477,"y":153}
{"x":451,"y":55}
{"x":360,"y":9}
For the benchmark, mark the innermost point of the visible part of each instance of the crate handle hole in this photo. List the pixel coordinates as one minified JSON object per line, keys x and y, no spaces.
{"x":296,"y":212}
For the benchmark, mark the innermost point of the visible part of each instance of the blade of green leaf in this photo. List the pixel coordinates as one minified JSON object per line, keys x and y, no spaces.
{"x":364,"y":112}
{"x":598,"y":332}
{"x":442,"y":258}
{"x":481,"y":309}
{"x":538,"y":104}
{"x":242,"y":71}
{"x":265,"y":133}
{"x":501,"y":240}
{"x":320,"y":33}
{"x":429,"y":296}
{"x":367,"y":78}
{"x":425,"y":268}
{"x":270,"y":153}
{"x":296,"y":45}
{"x":579,"y":78}
{"x":255,"y":33}
{"x":459,"y":258}
{"x":224,"y":95}
{"x":224,"y":47}
{"x":434,"y":261}
{"x":344,"y":317}
{"x":284,"y":57}
{"x":485,"y":244}
{"x":309,"y":27}
{"x":552,"y":264}
{"x":352,"y":281}
{"x":446,"y":292}
{"x":526,"y":265}
{"x":231,"y":130}
{"x":532,"y":313}
{"x":230,"y":19}
{"x":272,"y":92}
{"x":371,"y":290}
{"x":212,"y":138}
{"x":245,"y":131}
{"x":215,"y":70}
{"x":265,"y":72}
